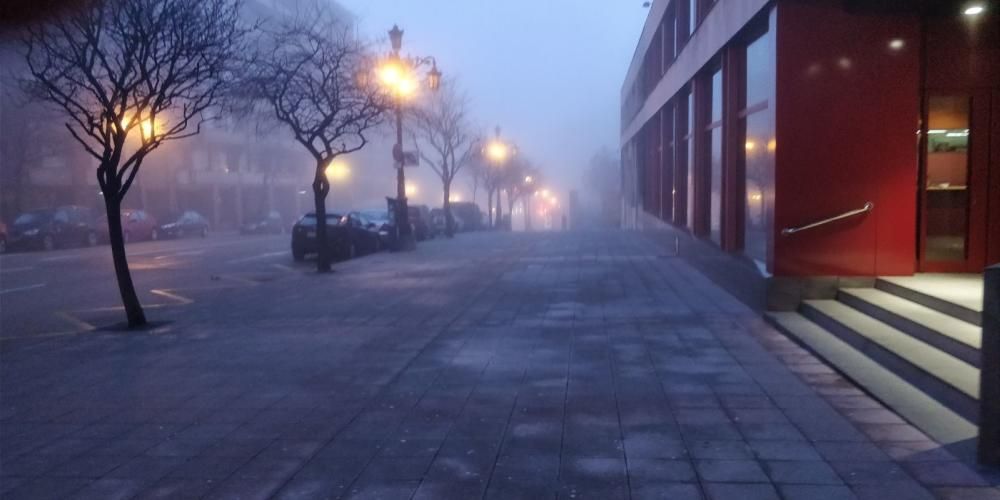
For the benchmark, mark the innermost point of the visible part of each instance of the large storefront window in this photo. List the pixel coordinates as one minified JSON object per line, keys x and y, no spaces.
{"x":715,"y":159}
{"x":759,"y":147}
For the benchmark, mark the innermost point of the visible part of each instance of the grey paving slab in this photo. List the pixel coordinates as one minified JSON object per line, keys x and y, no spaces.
{"x":548,"y":365}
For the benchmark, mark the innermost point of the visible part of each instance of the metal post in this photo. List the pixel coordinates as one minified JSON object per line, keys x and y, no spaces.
{"x":404,"y":240}
{"x":989,"y":372}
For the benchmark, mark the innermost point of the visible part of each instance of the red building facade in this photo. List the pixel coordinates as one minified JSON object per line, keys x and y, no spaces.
{"x":743,"y":120}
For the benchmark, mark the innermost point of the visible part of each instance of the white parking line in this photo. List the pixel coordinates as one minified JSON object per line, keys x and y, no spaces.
{"x":5,"y":270}
{"x":22,"y":288}
{"x":257,"y":257}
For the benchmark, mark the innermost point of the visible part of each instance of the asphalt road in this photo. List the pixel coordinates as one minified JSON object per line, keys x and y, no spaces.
{"x":52,"y":293}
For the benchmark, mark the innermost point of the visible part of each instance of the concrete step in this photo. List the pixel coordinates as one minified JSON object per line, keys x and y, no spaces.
{"x":899,"y":288}
{"x":947,"y":333}
{"x":927,"y":414}
{"x":951,"y":381}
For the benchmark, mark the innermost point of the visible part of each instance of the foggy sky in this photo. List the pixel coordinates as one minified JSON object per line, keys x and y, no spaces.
{"x":548,"y":72}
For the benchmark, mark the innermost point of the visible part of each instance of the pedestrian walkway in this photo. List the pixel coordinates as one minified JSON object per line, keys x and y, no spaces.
{"x":547,"y":365}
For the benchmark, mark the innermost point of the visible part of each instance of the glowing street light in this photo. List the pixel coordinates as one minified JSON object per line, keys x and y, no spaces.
{"x":497,"y":151}
{"x":411,"y":189}
{"x":338,"y":171}
{"x":974,"y":9}
{"x":528,"y":179}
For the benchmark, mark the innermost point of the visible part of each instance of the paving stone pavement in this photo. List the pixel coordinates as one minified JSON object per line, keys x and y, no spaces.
{"x":557,"y":365}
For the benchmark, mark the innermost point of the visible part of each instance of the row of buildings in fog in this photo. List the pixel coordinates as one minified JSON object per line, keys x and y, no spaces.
{"x":233,"y":171}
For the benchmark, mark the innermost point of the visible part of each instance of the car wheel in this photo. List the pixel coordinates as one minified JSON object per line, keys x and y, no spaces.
{"x":298,"y":255}
{"x":154,"y":235}
{"x":351,"y":251}
{"x":48,"y":242}
{"x":91,"y":239}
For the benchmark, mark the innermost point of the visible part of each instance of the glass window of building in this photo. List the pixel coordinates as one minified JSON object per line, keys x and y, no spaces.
{"x":692,"y":15}
{"x":667,"y":161}
{"x":947,"y":178}
{"x":692,"y":194}
{"x":759,"y":147}
{"x":714,"y":137}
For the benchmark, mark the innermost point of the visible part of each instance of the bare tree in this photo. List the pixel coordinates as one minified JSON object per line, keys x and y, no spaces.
{"x":130,"y":76}
{"x":308,"y":72}
{"x":442,"y":126}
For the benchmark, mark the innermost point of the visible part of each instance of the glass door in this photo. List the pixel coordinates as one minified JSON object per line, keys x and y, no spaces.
{"x":953,"y":183}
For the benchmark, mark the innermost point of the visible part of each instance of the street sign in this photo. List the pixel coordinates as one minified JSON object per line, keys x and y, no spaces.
{"x":407,"y":158}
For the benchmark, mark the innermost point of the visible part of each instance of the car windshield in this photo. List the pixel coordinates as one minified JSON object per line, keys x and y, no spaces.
{"x":33,"y":217}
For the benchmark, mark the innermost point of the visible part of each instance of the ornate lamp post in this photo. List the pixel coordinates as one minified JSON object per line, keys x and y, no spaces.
{"x":396,"y":73}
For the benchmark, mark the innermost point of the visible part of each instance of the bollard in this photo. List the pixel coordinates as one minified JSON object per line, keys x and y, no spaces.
{"x":989,"y":373}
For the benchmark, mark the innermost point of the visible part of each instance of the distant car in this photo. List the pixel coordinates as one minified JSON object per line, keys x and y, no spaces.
{"x":420,"y":220}
{"x":51,"y":228}
{"x":360,"y":236}
{"x":272,"y":223}
{"x":3,"y":237}
{"x":137,"y":225}
{"x":304,"y":234}
{"x":469,"y":213}
{"x":190,"y":223}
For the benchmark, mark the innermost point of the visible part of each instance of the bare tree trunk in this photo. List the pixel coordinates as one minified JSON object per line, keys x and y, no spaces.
{"x":526,"y":204}
{"x":489,"y":207}
{"x":499,"y":209}
{"x":321,"y":187}
{"x":133,"y":309}
{"x":449,"y":220}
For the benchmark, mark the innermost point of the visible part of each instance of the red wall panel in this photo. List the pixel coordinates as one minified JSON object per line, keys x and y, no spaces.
{"x":847,"y":114}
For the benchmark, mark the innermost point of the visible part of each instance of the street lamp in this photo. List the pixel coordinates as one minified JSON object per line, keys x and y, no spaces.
{"x":396,"y":73}
{"x":498,"y":152}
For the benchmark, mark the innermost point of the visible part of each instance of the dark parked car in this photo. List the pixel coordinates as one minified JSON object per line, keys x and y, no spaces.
{"x":380,"y":218}
{"x":137,"y":225}
{"x":361,"y":236}
{"x":439,"y":224}
{"x":50,"y":228}
{"x":420,"y":219}
{"x":272,"y":223}
{"x":190,"y":223}
{"x":470,"y":215}
{"x":304,"y":234}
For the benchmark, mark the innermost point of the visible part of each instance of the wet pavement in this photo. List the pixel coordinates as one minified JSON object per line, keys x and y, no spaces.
{"x":556,"y":365}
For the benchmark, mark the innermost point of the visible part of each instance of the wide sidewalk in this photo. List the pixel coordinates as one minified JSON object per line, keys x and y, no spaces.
{"x":545,"y":365}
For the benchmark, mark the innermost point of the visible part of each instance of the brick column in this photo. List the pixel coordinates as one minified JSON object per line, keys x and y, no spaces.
{"x":989,"y":384}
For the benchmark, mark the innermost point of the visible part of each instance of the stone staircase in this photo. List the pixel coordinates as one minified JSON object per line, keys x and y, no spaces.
{"x":917,"y":353}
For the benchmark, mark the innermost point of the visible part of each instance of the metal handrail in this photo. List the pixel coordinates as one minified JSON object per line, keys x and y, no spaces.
{"x":858,"y":211}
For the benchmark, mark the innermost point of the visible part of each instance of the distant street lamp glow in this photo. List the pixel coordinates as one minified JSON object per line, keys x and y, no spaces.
{"x":528,"y":179}
{"x":455,"y":198}
{"x":411,"y":189}
{"x":974,"y":10}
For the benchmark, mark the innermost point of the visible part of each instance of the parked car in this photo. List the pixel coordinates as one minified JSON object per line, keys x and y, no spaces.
{"x":380,"y":218}
{"x":51,"y":228}
{"x":470,"y":215}
{"x":361,"y":236}
{"x":3,"y":237}
{"x":137,"y":225}
{"x":439,"y":223}
{"x":420,"y":220}
{"x":304,"y":234}
{"x":190,"y":223}
{"x":272,"y":223}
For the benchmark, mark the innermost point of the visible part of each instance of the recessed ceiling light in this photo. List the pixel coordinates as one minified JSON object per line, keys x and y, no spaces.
{"x":897,"y":43}
{"x":974,"y":10}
